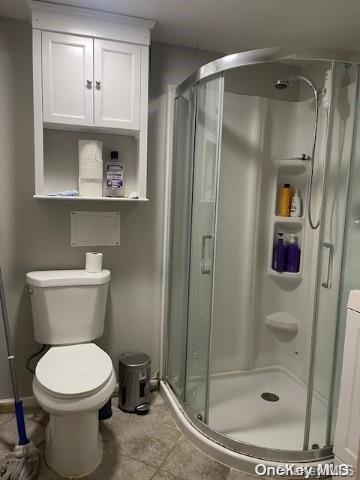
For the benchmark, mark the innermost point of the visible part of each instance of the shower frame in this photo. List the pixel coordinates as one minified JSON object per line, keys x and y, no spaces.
{"x":216,"y":68}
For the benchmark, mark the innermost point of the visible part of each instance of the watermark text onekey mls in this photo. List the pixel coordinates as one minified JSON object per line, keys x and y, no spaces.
{"x":305,"y":471}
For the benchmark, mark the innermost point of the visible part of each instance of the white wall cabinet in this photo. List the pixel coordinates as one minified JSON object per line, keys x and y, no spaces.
{"x":117,"y":84}
{"x":90,"y":72}
{"x":67,"y":73}
{"x":90,"y":82}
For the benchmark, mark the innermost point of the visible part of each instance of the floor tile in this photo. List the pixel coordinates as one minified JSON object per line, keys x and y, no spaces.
{"x":136,"y":447}
{"x":237,"y":475}
{"x":6,"y":417}
{"x":9,"y":435}
{"x":162,"y":475}
{"x":161,"y":414}
{"x":157,"y":399}
{"x":122,"y":468}
{"x":113,"y":467}
{"x":187,"y":462}
{"x":140,"y":437}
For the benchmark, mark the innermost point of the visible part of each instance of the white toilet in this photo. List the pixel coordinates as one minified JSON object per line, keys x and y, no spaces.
{"x":75,"y":378}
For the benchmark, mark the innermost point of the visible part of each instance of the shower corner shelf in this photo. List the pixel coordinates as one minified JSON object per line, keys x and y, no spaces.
{"x":282,"y":321}
{"x":289,"y":220}
{"x":296,"y":173}
{"x":299,"y":166}
{"x":285,"y":275}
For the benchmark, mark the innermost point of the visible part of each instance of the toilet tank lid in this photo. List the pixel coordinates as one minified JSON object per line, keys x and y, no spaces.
{"x":63,"y":278}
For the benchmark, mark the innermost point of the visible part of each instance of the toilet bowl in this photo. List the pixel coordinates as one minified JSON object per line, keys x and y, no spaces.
{"x":72,"y":383}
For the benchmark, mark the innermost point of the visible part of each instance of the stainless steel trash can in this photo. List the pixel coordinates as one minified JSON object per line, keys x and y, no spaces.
{"x":134,"y":382}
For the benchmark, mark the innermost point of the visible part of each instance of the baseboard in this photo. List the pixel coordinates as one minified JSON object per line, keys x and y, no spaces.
{"x":7,"y":404}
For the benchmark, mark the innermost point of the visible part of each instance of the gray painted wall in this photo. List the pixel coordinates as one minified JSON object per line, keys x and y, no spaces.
{"x":35,"y":234}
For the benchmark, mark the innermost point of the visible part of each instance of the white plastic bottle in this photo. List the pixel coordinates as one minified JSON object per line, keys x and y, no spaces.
{"x":295,"y":209}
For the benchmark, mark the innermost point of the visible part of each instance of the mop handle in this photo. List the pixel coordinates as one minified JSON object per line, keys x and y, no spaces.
{"x":19,"y":411}
{"x":9,"y":345}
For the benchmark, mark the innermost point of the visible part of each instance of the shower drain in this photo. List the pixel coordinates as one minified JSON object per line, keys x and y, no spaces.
{"x":270,"y":397}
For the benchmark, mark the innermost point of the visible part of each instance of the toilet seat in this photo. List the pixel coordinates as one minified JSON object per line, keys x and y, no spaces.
{"x":74,"y":371}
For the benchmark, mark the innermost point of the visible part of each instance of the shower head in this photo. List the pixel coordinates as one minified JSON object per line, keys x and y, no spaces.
{"x":282,"y":83}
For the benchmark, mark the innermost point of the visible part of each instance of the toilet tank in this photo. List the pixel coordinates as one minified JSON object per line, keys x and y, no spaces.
{"x":68,"y":306}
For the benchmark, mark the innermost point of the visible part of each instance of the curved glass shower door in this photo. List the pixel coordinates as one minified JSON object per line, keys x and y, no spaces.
{"x":179,"y":254}
{"x":195,"y":179}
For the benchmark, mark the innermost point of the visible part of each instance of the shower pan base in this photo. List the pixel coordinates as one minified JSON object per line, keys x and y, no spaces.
{"x":216,"y":449}
{"x":239,"y":411}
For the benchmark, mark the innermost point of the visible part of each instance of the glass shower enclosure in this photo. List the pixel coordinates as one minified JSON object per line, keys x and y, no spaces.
{"x":252,"y":354}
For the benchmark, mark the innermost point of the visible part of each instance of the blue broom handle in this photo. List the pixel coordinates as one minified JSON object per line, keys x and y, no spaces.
{"x":9,"y":345}
{"x":19,"y":411}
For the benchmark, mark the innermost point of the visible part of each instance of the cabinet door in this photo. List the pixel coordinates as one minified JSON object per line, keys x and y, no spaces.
{"x":346,"y":443}
{"x":117,"y":84}
{"x":67,"y":64}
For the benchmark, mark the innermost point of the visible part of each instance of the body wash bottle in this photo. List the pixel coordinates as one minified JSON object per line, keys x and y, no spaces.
{"x":285,"y":201}
{"x":295,"y":210}
{"x":279,"y":260}
{"x":293,"y":255}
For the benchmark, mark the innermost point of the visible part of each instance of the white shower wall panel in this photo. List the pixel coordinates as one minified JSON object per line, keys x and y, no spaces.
{"x":256,"y":133}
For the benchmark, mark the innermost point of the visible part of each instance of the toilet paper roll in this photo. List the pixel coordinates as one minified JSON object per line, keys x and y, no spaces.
{"x":94,"y":262}
{"x":90,"y":152}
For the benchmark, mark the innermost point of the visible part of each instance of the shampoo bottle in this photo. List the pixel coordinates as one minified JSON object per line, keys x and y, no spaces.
{"x":285,"y":201}
{"x":279,"y":262}
{"x":295,"y":210}
{"x":293,"y":255}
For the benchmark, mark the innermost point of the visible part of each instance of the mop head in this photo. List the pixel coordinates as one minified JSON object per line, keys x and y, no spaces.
{"x":22,"y":464}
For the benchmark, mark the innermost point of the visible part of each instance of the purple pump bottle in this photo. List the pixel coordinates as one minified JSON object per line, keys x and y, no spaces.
{"x":280,"y":254}
{"x":293,"y":255}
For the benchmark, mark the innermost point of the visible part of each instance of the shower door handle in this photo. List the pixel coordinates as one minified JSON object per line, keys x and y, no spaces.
{"x":330,"y":247}
{"x":206,"y":254}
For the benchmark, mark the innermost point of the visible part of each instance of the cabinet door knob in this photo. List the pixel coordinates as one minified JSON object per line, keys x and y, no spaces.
{"x":89,"y":83}
{"x":98,"y":84}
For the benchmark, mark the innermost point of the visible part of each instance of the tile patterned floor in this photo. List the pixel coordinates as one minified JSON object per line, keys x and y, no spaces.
{"x":150,"y":447}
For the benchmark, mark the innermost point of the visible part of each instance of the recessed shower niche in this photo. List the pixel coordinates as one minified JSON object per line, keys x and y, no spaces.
{"x":296,"y":174}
